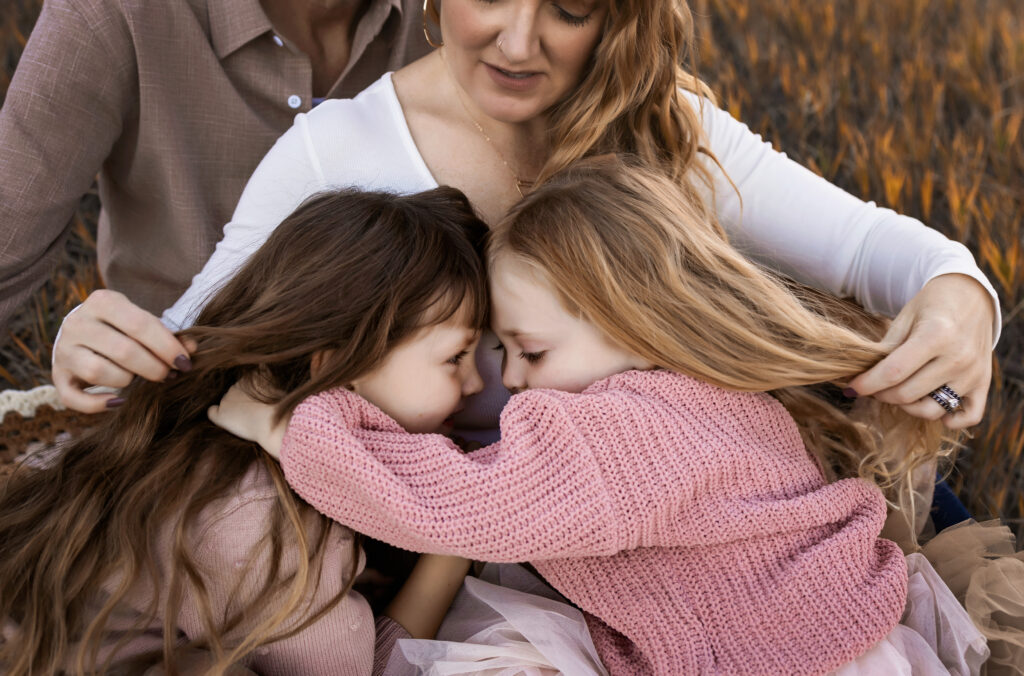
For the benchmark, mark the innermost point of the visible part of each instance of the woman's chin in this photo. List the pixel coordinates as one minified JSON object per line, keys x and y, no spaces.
{"x":510,"y":107}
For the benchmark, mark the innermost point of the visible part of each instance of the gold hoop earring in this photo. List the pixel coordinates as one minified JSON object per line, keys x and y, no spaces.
{"x":426,"y":28}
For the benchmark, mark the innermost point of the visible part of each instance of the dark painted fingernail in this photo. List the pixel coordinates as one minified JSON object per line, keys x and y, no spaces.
{"x":171,"y":376}
{"x":182,"y":363}
{"x":115,"y":402}
{"x":849,"y":393}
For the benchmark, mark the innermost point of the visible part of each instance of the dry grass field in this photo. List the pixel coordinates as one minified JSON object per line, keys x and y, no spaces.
{"x":915,"y":104}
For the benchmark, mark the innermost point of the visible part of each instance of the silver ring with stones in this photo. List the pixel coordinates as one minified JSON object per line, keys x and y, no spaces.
{"x":947,"y":398}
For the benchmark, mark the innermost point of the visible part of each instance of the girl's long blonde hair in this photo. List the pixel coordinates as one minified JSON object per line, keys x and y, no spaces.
{"x":349,"y":275}
{"x":628,"y":251}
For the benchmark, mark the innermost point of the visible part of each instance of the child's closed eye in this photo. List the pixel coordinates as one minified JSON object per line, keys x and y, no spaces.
{"x":457,"y":359}
{"x":532,"y":357}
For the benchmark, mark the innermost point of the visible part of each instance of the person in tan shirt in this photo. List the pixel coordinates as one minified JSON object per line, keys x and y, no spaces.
{"x":172,"y":104}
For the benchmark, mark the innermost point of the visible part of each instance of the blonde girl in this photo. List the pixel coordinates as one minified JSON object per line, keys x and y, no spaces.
{"x":159,"y":540}
{"x":667,"y":461}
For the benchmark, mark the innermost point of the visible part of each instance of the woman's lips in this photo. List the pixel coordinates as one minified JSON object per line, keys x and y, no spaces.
{"x":515,"y":80}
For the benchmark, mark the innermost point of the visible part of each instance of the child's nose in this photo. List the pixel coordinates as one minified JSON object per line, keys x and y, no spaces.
{"x":513,"y":376}
{"x":472,"y":383}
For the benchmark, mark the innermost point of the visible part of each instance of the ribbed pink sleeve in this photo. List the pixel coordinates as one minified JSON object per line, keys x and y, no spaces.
{"x":389,"y":633}
{"x":591,"y":474}
{"x":689,"y":519}
{"x":539,"y":493}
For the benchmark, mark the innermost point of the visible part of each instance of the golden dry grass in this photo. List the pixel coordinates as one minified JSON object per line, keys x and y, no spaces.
{"x":916,"y":104}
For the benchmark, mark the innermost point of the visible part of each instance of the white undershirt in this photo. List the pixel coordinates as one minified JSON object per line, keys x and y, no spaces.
{"x":791,"y":219}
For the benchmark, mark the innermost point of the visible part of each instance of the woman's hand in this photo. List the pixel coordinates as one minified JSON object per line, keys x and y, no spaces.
{"x":108,"y":340}
{"x":943,"y":336}
{"x":250,"y":419}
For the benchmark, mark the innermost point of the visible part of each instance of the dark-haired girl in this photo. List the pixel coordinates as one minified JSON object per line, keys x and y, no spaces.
{"x":160,"y":540}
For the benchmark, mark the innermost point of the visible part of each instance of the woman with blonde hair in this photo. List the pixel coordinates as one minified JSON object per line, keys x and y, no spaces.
{"x":520,"y":89}
{"x":669,"y":461}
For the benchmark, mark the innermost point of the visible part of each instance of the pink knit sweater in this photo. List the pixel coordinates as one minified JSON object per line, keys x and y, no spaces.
{"x":688,"y":522}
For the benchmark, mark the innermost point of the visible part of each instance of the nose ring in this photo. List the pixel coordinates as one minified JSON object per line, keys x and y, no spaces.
{"x":499,"y":46}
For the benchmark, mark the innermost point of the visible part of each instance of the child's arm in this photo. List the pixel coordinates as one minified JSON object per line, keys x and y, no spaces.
{"x":423,"y":600}
{"x":575,"y":475}
{"x":538,"y":494}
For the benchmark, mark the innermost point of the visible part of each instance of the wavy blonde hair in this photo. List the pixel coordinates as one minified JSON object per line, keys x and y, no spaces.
{"x":628,"y":251}
{"x":631,"y":98}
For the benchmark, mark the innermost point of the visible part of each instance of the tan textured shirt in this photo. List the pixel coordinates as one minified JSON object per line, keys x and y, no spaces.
{"x":173,"y":103}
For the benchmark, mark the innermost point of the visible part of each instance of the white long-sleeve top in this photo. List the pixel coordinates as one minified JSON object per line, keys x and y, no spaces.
{"x":779,"y":213}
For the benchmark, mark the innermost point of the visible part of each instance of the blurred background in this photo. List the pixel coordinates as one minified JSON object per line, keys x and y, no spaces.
{"x":917,"y":105}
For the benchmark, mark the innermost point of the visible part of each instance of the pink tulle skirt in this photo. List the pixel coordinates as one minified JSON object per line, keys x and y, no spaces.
{"x":507,"y":622}
{"x":935,"y":636}
{"x":981,"y":567}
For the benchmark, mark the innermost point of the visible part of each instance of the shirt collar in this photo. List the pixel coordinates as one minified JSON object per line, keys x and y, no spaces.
{"x":233,"y":23}
{"x":397,"y":4}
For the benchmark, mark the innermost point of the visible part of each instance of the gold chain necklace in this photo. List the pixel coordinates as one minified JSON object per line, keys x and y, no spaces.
{"x":519,"y":183}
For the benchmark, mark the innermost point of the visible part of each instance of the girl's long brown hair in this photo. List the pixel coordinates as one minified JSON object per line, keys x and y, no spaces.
{"x":349,"y":275}
{"x":628,"y":251}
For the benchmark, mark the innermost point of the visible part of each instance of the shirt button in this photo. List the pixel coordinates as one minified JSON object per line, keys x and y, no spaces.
{"x":278,"y":41}
{"x":294,"y":101}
